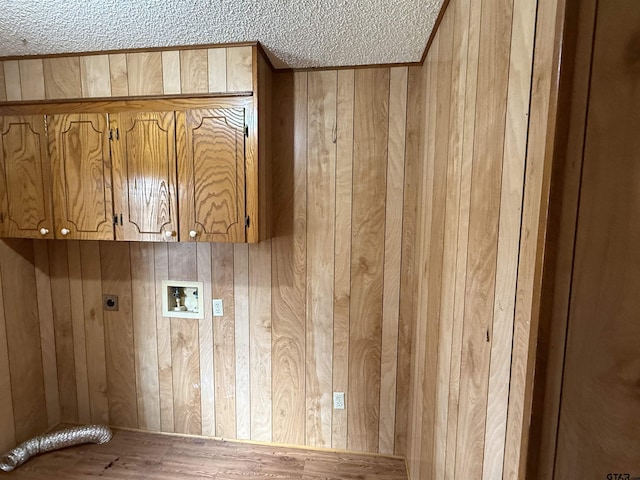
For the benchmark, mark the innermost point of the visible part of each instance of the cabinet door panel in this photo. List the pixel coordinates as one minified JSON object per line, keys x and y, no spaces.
{"x":25,"y":196}
{"x":79,"y":146}
{"x":211,"y":170}
{"x":144,"y":176}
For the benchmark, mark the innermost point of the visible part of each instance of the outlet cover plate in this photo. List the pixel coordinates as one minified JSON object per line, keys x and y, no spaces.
{"x":338,"y":400}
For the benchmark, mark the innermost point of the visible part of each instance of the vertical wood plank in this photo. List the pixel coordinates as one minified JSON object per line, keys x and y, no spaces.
{"x":95,"y":76}
{"x":185,"y":348}
{"x":243,"y":379}
{"x":3,"y":89}
{"x":62,"y":78}
{"x":239,"y":69}
{"x":217,"y":62}
{"x":512,"y":190}
{"x":260,"y":340}
{"x":321,"y":164}
{"x":77,"y":322}
{"x":94,"y":326}
{"x":163,"y":326}
{"x":145,"y":73}
{"x":171,"y":72}
{"x":7,"y":432}
{"x":371,"y":108}
{"x":224,"y":353}
{"x":207,"y":377}
{"x":392,"y":249}
{"x":32,"y":79}
{"x":23,"y":339}
{"x":342,"y":263}
{"x":12,"y":80}
{"x":47,"y":335}
{"x":120,"y":357}
{"x":59,"y":272}
{"x":143,"y":309}
{"x":194,"y":71}
{"x":119,"y":75}
{"x":495,"y":31}
{"x":288,"y":248}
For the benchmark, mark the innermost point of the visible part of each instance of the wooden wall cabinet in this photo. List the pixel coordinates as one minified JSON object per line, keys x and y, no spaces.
{"x":25,"y":191}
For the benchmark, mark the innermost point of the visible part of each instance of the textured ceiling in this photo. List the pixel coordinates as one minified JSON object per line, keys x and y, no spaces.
{"x":297,"y":33}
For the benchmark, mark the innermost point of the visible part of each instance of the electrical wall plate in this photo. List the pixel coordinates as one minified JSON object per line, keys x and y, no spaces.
{"x":181,"y":299}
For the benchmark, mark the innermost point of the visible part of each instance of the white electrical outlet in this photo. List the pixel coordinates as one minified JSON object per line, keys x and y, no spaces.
{"x":338,"y":400}
{"x":217,"y":307}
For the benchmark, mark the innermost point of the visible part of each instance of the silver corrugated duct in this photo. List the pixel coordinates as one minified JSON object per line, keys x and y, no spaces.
{"x":54,"y":441}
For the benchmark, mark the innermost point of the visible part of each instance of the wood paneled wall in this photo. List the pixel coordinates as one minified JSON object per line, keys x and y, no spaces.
{"x":167,"y":72}
{"x":317,"y":309}
{"x":487,"y":107}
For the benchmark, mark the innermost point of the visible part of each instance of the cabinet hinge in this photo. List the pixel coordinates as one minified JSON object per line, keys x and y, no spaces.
{"x":111,"y":134}
{"x":115,"y":219}
{"x":247,"y":221}
{"x":246,"y":130}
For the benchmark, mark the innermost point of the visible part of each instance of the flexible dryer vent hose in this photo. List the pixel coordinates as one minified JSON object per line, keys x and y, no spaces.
{"x":54,"y":441}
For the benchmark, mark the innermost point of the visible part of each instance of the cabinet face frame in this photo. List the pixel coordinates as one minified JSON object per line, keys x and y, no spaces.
{"x":177,"y":104}
{"x":143,"y":153}
{"x":25,"y":212}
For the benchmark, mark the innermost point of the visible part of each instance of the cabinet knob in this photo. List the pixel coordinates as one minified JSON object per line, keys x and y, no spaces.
{"x":169,"y":234}
{"x":44,"y":231}
{"x":65,"y":231}
{"x":193,"y":234}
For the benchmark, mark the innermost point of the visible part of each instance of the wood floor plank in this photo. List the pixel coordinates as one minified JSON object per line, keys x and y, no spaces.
{"x":136,"y":454}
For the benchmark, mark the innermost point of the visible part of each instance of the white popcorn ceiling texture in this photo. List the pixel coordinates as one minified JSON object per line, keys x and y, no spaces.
{"x":298,"y":33}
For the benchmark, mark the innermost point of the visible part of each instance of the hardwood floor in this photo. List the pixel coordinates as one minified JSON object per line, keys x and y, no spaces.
{"x":137,"y":455}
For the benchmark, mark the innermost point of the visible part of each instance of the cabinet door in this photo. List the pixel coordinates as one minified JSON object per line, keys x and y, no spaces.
{"x":25,"y":195}
{"x":211,"y":173}
{"x":81,"y":166}
{"x":144,"y":176}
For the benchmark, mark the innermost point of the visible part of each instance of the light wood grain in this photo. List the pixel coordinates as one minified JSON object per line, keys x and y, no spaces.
{"x":342,"y":262}
{"x":163,"y":326}
{"x":205,"y":333}
{"x":94,"y":76}
{"x":392,"y":253}
{"x":288,"y":247}
{"x":171,"y":72}
{"x":224,"y":354}
{"x":25,"y":200}
{"x":371,"y":108}
{"x":144,"y":176}
{"x":145,"y":73}
{"x":260,"y":340}
{"x":239,"y":69}
{"x":8,"y":432}
{"x":77,"y":323}
{"x":60,"y":295}
{"x":143,"y":311}
{"x":185,"y":352}
{"x":47,"y":335}
{"x":217,"y":66}
{"x":242,"y":324}
{"x":32,"y":79}
{"x":12,"y":80}
{"x":3,"y":89}
{"x":118,"y":74}
{"x":119,"y":341}
{"x":194,"y":71}
{"x":62,"y":78}
{"x":321,"y":165}
{"x":94,"y":326}
{"x":23,"y":339}
{"x":79,"y":148}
